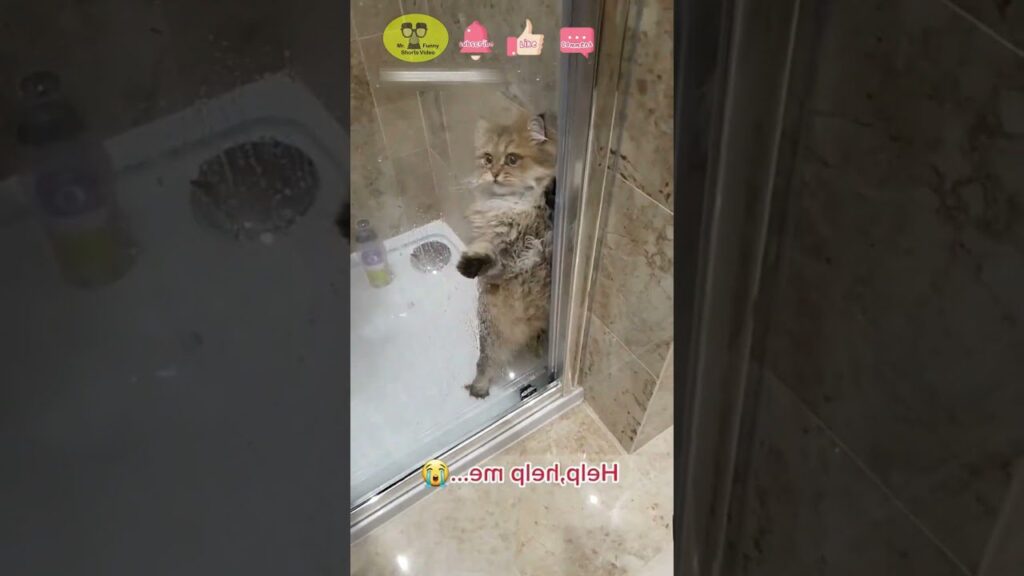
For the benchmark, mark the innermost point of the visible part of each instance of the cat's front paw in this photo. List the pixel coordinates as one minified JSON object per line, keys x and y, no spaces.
{"x":479,"y":389}
{"x":472,"y":264}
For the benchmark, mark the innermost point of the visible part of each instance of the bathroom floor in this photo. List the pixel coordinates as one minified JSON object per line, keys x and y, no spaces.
{"x":504,"y":530}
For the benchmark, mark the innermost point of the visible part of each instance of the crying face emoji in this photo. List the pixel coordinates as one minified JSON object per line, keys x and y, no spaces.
{"x":435,"y":473}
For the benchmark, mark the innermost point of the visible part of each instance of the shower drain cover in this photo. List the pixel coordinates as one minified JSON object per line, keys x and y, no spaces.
{"x":431,"y":256}
{"x":254,"y":189}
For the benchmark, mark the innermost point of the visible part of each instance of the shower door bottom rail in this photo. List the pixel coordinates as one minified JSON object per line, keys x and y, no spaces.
{"x":525,"y":418}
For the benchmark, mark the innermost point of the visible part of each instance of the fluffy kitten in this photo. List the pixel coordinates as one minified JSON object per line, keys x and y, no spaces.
{"x":510,"y":253}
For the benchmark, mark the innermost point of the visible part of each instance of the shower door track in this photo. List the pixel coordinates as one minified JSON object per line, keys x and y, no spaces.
{"x":577,"y":76}
{"x":525,"y":418}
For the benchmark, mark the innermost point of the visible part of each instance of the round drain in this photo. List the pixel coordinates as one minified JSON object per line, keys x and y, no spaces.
{"x":431,"y":256}
{"x":254,"y":189}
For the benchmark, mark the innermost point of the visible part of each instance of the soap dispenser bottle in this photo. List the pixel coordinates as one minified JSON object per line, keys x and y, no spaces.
{"x":71,"y":183}
{"x":373,"y":255}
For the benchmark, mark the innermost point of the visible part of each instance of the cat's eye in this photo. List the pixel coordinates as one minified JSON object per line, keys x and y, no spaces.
{"x":512,"y":159}
{"x":488,"y":159}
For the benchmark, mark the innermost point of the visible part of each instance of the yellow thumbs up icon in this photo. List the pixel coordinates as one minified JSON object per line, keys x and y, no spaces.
{"x":527,"y":44}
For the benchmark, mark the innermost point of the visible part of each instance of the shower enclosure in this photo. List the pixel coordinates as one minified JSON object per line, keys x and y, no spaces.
{"x":415,"y":333}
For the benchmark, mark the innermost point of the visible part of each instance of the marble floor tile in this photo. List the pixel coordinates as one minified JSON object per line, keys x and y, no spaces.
{"x":376,"y":58}
{"x":644,"y":109}
{"x":660,"y":410}
{"x":453,"y":199}
{"x":416,"y":186}
{"x":416,"y":7}
{"x":600,"y":529}
{"x":633,"y":289}
{"x":403,"y":127}
{"x":370,"y":17}
{"x":897,"y":319}
{"x":434,"y":124}
{"x":961,"y":503}
{"x":661,"y":565}
{"x":1004,"y":553}
{"x":617,"y":385}
{"x":503,"y":529}
{"x":361,"y":106}
{"x":808,"y":507}
{"x":1004,"y":17}
{"x":373,"y":183}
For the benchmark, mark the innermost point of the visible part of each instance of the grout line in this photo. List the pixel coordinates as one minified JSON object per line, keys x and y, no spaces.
{"x":589,"y":278}
{"x":515,"y":103}
{"x":401,"y":6}
{"x":669,"y":359}
{"x":373,"y":98}
{"x":657,"y":386}
{"x":604,"y":427}
{"x":423,"y":119}
{"x":441,"y":204}
{"x":736,"y":424}
{"x":447,"y":125}
{"x":996,"y":548}
{"x":430,"y":159}
{"x":643,"y":419}
{"x":984,"y":28}
{"x":440,"y":160}
{"x":642,"y":193}
{"x":411,"y":152}
{"x":872,"y":476}
{"x":626,"y":348}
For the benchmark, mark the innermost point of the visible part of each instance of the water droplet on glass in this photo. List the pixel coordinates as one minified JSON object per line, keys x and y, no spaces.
{"x":168,"y":372}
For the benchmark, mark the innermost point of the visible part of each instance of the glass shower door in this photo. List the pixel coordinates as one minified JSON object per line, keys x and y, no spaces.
{"x":428,"y":141}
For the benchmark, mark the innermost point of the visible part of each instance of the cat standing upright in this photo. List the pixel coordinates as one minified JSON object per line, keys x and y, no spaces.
{"x":510,"y":252}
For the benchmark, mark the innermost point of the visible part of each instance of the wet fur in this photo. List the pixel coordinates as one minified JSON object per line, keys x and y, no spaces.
{"x":510,"y":254}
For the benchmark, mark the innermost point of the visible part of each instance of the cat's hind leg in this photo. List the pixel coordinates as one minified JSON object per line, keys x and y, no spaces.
{"x":538,"y":345}
{"x":480,"y":387}
{"x":486,"y":363}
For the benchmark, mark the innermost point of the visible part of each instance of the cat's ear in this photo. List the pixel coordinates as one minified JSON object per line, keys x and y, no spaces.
{"x":537,"y":129}
{"x":483,"y":128}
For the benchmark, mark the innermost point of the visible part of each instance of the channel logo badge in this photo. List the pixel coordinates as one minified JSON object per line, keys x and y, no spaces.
{"x":435,"y":473}
{"x":415,"y":38}
{"x":576,"y":41}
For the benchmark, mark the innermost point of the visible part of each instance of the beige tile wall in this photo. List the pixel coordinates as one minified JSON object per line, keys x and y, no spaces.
{"x":392,"y":180}
{"x":627,"y":363}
